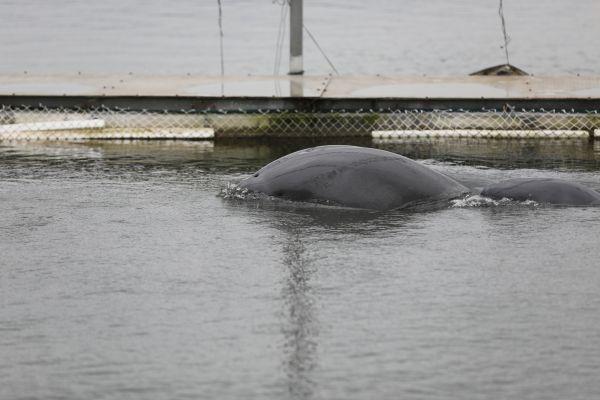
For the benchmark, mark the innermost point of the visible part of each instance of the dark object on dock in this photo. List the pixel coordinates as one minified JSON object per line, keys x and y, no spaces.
{"x":352,"y":176}
{"x":501,"y":70}
{"x":551,"y":191}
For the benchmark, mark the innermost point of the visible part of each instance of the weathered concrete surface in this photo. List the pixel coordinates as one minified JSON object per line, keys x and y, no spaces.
{"x":326,"y":87}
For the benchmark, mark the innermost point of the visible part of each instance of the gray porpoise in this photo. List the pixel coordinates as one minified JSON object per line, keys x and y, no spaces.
{"x":542,"y":190}
{"x":353,"y":176}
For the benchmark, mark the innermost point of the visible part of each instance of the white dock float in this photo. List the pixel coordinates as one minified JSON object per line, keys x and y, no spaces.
{"x":95,"y":130}
{"x":52,"y":126}
{"x":480,"y":133}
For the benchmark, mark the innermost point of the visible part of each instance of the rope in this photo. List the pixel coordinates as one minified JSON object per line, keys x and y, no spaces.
{"x":321,"y":50}
{"x":281,"y":38}
{"x":506,"y":37}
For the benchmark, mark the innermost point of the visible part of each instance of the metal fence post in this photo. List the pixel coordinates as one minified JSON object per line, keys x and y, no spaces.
{"x":296,"y":64}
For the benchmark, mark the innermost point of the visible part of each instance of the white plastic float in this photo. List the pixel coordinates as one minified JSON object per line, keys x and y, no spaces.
{"x":479,"y":133}
{"x":94,"y":129}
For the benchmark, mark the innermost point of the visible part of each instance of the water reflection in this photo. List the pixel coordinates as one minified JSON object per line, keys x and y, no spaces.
{"x":248,"y":155}
{"x":578,"y":154}
{"x":300,"y":325}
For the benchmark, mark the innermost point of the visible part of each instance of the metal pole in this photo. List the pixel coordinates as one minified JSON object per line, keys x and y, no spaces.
{"x":296,"y":67}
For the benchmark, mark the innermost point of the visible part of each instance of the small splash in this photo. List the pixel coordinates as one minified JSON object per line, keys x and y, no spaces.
{"x":234,"y":192}
{"x":477,"y":200}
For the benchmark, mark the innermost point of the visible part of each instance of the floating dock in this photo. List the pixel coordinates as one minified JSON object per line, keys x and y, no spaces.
{"x":189,"y":106}
{"x":307,"y":93}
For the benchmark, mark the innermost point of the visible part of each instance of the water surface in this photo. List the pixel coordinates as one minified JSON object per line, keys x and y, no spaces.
{"x":126,"y":274}
{"x":434,"y":37}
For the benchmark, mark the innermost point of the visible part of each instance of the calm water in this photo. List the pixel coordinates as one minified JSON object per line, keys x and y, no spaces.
{"x":383,"y":36}
{"x":125,"y":274}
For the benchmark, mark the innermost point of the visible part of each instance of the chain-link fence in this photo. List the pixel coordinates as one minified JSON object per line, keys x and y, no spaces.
{"x":104,"y":123}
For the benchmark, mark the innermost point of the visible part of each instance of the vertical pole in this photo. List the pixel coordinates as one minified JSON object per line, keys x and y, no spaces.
{"x":296,"y":67}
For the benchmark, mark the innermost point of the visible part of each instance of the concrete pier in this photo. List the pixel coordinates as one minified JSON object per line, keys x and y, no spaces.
{"x":319,"y":93}
{"x":295,"y":105}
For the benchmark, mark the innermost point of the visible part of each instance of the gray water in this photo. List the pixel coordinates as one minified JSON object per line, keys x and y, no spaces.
{"x":434,"y":37}
{"x":125,"y":272}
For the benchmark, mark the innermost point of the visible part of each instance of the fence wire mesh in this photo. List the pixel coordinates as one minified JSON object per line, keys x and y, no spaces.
{"x":105,"y":123}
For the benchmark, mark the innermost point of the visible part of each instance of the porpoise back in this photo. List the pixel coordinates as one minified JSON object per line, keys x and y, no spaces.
{"x":543,"y":190}
{"x":354,"y":177}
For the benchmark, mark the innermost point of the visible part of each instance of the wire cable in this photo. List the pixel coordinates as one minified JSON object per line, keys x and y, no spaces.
{"x":321,"y":50}
{"x":506,"y":37}
{"x":221,"y":45}
{"x":280,"y":38}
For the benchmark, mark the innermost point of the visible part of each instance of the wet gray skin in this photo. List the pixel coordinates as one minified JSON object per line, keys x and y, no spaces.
{"x":354,"y":177}
{"x":551,"y":191}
